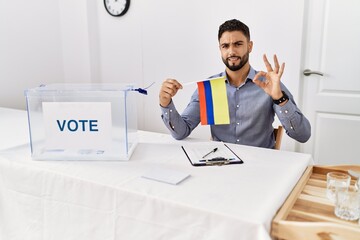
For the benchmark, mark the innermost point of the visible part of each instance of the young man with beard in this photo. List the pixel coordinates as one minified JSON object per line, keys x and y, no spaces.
{"x":253,"y":97}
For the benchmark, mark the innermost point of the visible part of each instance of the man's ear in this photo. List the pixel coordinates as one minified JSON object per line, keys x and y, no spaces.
{"x":250,"y":46}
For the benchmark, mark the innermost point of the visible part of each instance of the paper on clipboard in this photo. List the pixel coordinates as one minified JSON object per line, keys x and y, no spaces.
{"x":203,"y":154}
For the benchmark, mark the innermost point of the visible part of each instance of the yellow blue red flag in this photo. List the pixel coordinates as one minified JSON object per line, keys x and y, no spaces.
{"x":214,"y":108}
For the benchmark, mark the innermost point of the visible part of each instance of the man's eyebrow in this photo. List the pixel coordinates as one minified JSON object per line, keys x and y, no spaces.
{"x":240,"y":41}
{"x":236,"y":42}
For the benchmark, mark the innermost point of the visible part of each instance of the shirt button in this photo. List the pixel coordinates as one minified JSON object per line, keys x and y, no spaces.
{"x":280,"y":111}
{"x":237,"y":140}
{"x":237,"y":106}
{"x":237,"y":123}
{"x":286,"y":111}
{"x":170,"y":110}
{"x":166,"y":113}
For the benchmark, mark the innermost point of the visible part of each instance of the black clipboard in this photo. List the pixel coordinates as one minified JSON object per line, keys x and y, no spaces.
{"x":214,"y":161}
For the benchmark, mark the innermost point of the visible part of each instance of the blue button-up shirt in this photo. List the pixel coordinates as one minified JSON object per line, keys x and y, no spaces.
{"x":252,"y":114}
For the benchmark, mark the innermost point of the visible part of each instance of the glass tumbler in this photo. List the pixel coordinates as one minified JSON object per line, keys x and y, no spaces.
{"x":347,"y":204}
{"x":336,"y":181}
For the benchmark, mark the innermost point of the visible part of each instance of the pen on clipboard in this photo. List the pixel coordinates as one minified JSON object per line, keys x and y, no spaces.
{"x":212,"y":151}
{"x":216,"y":159}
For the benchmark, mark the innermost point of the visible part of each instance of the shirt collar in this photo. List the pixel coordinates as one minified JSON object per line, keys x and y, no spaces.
{"x":249,"y":77}
{"x":251,"y":74}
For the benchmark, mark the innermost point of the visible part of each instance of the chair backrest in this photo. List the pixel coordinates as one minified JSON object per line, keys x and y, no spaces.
{"x":278,"y":133}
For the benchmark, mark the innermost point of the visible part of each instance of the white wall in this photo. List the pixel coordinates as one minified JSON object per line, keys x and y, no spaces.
{"x":77,"y":41}
{"x":30,"y":48}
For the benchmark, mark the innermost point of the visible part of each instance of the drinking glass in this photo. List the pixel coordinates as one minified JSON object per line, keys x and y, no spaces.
{"x":336,"y":181}
{"x":347,"y":204}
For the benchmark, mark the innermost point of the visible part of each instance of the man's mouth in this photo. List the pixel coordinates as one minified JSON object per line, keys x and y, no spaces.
{"x":233,"y":59}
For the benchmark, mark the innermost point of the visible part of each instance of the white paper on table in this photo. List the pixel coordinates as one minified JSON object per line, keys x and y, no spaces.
{"x":166,"y":175}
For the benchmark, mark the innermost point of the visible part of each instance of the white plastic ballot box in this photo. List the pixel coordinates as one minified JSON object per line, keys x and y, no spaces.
{"x":82,"y":121}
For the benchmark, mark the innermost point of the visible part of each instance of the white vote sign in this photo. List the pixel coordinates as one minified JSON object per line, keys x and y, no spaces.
{"x":77,"y":125}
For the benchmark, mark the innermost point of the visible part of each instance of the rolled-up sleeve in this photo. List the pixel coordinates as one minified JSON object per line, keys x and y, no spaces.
{"x":181,"y":126}
{"x":294,"y":122}
{"x":174,"y":122}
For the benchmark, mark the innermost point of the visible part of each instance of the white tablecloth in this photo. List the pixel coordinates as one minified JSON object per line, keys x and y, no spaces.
{"x":77,"y":200}
{"x":14,"y":129}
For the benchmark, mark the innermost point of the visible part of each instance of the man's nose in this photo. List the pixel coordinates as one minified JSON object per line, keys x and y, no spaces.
{"x":231,"y":51}
{"x":232,"y":47}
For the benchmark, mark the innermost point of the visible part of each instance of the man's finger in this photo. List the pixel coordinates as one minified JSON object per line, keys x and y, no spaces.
{"x":267,"y":64}
{"x":174,"y":83}
{"x":257,"y":81}
{"x":277,"y":66}
{"x":281,"y":70}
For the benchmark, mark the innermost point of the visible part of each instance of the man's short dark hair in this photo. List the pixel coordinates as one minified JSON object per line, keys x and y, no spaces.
{"x":234,"y":25}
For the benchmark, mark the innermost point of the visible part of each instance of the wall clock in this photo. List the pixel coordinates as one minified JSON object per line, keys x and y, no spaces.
{"x":117,"y":8}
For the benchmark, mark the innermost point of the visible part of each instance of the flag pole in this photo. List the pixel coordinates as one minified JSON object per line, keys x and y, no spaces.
{"x":208,"y":79}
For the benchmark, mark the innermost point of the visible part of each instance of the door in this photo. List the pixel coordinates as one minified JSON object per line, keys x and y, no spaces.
{"x":332,"y":101}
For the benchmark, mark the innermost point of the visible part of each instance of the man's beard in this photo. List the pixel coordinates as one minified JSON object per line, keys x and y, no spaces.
{"x":243,"y":61}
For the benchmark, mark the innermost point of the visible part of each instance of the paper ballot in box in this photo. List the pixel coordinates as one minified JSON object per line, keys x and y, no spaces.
{"x":82,"y":121}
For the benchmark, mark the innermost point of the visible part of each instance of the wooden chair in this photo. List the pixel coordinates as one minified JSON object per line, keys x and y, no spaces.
{"x":278,"y":133}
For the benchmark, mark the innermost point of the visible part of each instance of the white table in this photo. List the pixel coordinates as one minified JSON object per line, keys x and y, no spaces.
{"x":14,"y":129}
{"x":59,"y":200}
